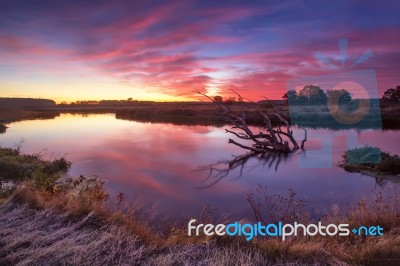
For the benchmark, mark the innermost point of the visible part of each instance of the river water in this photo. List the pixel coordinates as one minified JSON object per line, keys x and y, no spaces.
{"x":157,"y":166}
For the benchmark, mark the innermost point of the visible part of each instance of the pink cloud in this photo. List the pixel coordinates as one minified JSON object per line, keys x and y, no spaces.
{"x":175,"y":47}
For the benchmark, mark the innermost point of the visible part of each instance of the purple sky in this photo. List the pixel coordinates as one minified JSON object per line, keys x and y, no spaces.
{"x":164,"y":50}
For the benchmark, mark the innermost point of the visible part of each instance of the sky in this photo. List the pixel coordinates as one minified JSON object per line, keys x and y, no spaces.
{"x":168,"y":50}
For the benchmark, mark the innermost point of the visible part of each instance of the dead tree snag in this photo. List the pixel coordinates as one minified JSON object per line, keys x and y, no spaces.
{"x":271,"y":139}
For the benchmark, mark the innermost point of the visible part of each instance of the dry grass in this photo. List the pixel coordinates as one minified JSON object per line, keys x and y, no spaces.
{"x":383,"y":210}
{"x":17,"y":166}
{"x":198,"y":113}
{"x":14,"y":115}
{"x":35,"y":231}
{"x":73,"y":225}
{"x":191,"y":114}
{"x":44,"y":237}
{"x":70,"y":223}
{"x":373,"y":162}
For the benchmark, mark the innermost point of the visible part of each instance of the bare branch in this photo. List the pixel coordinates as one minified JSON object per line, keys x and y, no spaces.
{"x":244,"y":146}
{"x":305,"y":138}
{"x":285,"y":122}
{"x":272,"y":140}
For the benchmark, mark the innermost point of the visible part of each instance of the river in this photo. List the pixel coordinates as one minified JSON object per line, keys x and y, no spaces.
{"x":156,"y":165}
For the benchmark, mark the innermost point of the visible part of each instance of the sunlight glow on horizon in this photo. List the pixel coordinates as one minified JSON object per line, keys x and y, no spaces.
{"x":142,"y":50}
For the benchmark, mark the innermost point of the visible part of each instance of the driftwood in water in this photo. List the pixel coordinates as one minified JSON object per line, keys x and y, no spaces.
{"x":270,"y":140}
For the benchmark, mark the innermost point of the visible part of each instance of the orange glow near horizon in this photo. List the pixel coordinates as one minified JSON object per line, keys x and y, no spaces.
{"x":144,"y":51}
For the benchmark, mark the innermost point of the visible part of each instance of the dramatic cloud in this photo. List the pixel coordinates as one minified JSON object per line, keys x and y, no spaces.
{"x":171,"y":48}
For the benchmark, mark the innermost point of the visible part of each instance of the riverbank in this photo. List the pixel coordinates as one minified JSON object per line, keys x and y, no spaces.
{"x":62,"y":229}
{"x":371,"y":161}
{"x":199,"y":113}
{"x":32,"y":235}
{"x":8,"y":116}
{"x":48,"y":220}
{"x":3,"y":128}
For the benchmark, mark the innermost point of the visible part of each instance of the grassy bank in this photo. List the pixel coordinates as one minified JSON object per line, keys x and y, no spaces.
{"x":373,"y":162}
{"x":198,"y":113}
{"x":46,"y":220}
{"x":184,"y":113}
{"x":207,"y":114}
{"x":3,"y":128}
{"x":16,"y":166}
{"x":14,"y":115}
{"x":76,"y":228}
{"x":180,"y":113}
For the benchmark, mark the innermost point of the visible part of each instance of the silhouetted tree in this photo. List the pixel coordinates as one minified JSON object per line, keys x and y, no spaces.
{"x":26,"y":103}
{"x":392,"y":95}
{"x":340,"y":96}
{"x":312,"y":95}
{"x":218,"y":99}
{"x":230,"y":100}
{"x":290,"y":97}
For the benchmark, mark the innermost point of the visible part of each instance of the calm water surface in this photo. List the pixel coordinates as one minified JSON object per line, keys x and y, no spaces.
{"x":154,"y":164}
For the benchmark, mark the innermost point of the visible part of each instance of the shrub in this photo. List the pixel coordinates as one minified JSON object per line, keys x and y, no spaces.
{"x":369,"y":159}
{"x":2,"y":128}
{"x":17,"y":166}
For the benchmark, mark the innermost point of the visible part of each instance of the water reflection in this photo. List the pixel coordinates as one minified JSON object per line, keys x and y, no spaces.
{"x":152,"y":164}
{"x":221,"y":169}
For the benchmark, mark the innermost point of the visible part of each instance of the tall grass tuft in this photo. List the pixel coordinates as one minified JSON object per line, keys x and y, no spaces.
{"x":371,"y":160}
{"x":14,"y":165}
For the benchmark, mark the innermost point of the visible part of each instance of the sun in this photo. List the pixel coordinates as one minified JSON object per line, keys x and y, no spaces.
{"x":212,"y":90}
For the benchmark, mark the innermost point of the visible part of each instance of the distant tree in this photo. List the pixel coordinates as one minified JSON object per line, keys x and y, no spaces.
{"x":311,"y":94}
{"x":26,"y":103}
{"x":130,"y":99}
{"x":230,"y":101}
{"x":290,"y":97}
{"x":301,"y":100}
{"x":341,"y":96}
{"x":218,"y":98}
{"x":392,"y":95}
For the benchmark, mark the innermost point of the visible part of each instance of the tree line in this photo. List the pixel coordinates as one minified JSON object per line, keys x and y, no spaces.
{"x":392,"y":95}
{"x":314,"y":95}
{"x":26,"y":103}
{"x":308,"y":95}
